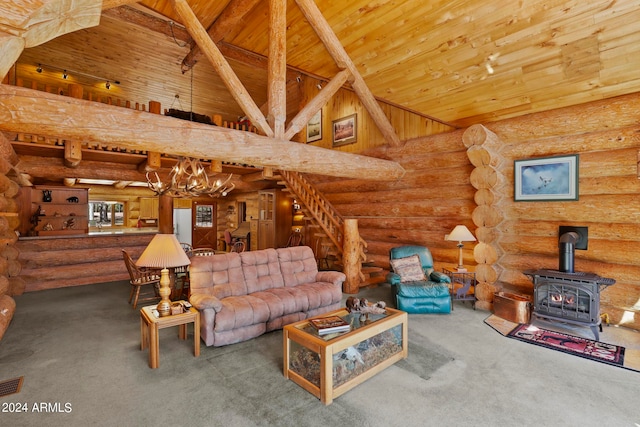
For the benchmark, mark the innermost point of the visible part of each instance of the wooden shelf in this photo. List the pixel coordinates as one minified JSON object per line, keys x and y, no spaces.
{"x":64,"y":211}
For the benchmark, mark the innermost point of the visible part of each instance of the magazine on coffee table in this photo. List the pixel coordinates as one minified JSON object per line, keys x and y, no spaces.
{"x":329,"y":325}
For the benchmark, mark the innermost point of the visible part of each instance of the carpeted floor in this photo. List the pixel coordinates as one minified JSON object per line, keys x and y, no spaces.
{"x":79,"y":352}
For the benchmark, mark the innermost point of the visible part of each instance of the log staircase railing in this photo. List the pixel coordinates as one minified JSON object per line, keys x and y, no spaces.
{"x":325,"y":215}
{"x":343,"y":234}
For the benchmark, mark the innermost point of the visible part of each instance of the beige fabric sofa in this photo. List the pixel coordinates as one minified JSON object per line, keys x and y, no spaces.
{"x":243,"y":295}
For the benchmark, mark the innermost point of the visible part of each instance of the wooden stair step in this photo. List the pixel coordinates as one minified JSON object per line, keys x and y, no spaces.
{"x":373,"y":281}
{"x":373,"y":271}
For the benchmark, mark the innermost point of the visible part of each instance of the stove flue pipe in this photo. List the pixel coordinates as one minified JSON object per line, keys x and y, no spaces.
{"x":567,"y":249}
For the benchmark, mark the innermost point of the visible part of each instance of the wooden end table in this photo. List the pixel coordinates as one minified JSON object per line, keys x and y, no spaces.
{"x":150,"y":324}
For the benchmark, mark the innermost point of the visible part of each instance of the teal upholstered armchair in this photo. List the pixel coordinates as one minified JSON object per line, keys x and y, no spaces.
{"x":417,"y":286}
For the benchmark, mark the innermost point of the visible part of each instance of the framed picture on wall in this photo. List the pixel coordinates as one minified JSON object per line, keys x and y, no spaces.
{"x":314,"y":127}
{"x":344,"y":130}
{"x":546,"y":179}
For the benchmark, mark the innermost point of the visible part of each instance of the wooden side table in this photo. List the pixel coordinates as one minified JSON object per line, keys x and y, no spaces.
{"x":461,"y":283}
{"x":150,"y":324}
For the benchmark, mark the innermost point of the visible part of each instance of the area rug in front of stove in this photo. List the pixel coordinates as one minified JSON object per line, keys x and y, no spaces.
{"x":593,"y":350}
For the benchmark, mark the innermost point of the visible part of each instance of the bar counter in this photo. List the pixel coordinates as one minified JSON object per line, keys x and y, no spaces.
{"x":59,"y":261}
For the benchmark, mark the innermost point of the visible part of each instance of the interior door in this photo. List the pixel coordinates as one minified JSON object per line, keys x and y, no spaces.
{"x":204,"y":233}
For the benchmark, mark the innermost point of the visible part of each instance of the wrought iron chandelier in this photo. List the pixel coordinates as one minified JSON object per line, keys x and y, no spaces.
{"x":189,"y":178}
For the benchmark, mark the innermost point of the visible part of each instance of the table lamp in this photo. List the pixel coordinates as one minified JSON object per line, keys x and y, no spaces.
{"x":460,"y":234}
{"x":164,"y":251}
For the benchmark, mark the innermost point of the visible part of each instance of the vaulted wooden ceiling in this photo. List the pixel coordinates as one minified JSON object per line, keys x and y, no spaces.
{"x":461,"y":62}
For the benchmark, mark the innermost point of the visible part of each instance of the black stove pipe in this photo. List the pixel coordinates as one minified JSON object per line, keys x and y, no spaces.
{"x":567,"y":246}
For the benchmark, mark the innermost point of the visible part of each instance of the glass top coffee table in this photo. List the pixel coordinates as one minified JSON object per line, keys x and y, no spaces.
{"x":329,"y":365}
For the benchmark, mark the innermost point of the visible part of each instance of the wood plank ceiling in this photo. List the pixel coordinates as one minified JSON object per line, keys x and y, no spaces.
{"x":461,"y":62}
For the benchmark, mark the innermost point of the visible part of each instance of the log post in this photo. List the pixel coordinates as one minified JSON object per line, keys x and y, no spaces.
{"x":165,"y":214}
{"x":351,"y":257}
{"x":483,"y":150}
{"x":73,"y":149}
{"x":153,"y":161}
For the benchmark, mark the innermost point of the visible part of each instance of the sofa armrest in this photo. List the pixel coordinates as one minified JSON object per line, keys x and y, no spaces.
{"x":393,"y":278}
{"x":202,"y":302}
{"x":335,"y":277}
{"x":439,"y":277}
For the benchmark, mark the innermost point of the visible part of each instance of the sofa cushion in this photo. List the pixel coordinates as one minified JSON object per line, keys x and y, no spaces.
{"x":408,"y":268}
{"x":282,"y":301}
{"x":225,"y":271}
{"x":298,"y":265}
{"x":261,"y":270}
{"x":239,"y":311}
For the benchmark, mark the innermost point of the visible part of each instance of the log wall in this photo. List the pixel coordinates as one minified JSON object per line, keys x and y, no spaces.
{"x":49,"y":263}
{"x":437,"y":193}
{"x":10,"y":282}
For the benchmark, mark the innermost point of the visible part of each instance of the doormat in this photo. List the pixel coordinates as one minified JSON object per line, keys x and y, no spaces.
{"x":10,"y":386}
{"x":593,"y":350}
{"x":612,"y":354}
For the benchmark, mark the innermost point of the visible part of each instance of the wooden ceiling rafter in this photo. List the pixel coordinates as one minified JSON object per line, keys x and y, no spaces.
{"x":277,"y":153}
{"x":233,"y":14}
{"x":232,"y":52}
{"x":277,"y":65}
{"x":222,"y":67}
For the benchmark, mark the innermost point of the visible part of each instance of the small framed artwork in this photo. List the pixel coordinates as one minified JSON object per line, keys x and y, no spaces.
{"x":546,"y":179}
{"x":344,"y":130}
{"x":314,"y":127}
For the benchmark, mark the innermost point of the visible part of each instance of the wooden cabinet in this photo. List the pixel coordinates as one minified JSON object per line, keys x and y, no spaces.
{"x":148,"y":208}
{"x":274,"y":222}
{"x":254,"y":234}
{"x":56,"y":211}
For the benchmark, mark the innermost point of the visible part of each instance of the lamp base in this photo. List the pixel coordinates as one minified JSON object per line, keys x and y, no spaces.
{"x":164,"y":306}
{"x":164,"y":309}
{"x":461,"y":269}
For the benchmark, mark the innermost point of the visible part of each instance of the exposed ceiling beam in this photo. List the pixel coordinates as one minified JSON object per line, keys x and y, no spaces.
{"x":277,"y":75}
{"x":343,"y":61}
{"x":222,"y":67}
{"x":30,"y":111}
{"x":145,"y":20}
{"x":232,"y":15}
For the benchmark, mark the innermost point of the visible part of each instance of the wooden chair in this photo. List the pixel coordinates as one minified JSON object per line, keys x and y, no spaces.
{"x":203,"y":252}
{"x":322,"y":254}
{"x":187,"y":248}
{"x":140,"y":277}
{"x":182,"y":277}
{"x":238,"y":246}
{"x":295,"y":239}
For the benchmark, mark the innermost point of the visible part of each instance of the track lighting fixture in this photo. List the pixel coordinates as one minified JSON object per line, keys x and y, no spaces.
{"x":65,"y":74}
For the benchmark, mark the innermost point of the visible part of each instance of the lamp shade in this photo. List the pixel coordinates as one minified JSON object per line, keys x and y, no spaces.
{"x":461,"y":234}
{"x":164,"y":251}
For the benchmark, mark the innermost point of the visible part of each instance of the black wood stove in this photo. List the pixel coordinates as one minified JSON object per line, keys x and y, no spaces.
{"x":569,"y":297}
